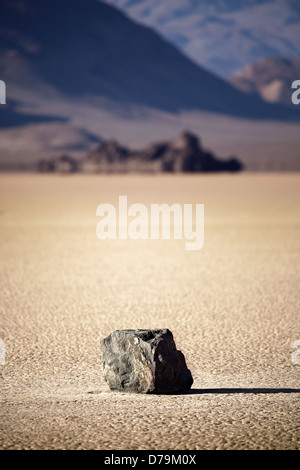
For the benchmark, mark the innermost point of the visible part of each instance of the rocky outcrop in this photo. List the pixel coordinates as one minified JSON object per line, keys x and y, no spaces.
{"x":61,"y":164}
{"x":184,"y":154}
{"x":144,"y":361}
{"x":109,"y":151}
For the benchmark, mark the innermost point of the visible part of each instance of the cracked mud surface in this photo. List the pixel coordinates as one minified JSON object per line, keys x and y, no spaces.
{"x":232,"y":307}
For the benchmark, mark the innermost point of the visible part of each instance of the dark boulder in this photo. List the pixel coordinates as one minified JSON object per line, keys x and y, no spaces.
{"x":144,"y":361}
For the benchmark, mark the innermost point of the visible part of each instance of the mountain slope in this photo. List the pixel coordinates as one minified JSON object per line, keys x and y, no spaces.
{"x":223,"y":35}
{"x":85,"y":49}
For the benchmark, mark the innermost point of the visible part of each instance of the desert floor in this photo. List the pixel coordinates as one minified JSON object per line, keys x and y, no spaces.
{"x":233,"y":308}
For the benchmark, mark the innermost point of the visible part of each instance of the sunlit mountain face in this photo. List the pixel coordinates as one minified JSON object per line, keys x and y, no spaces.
{"x":223,"y":35}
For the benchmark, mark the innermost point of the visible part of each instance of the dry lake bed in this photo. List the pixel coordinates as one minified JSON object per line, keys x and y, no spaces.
{"x":233,"y":308}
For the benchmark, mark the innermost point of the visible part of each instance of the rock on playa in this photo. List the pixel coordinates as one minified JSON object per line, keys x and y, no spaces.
{"x":144,"y":361}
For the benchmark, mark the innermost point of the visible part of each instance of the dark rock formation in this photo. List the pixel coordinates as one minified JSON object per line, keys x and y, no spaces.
{"x":144,"y":361}
{"x":45,"y":166}
{"x":184,"y":154}
{"x":61,"y":164}
{"x":109,"y":151}
{"x":187,"y":155}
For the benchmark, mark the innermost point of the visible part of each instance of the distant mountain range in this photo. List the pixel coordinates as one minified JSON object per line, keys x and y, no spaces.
{"x":81,"y":70}
{"x":223,"y":35}
{"x":86,"y":49}
{"x":269,"y":78}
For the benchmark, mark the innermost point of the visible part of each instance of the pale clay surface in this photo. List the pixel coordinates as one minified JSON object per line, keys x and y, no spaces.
{"x":233,"y":309}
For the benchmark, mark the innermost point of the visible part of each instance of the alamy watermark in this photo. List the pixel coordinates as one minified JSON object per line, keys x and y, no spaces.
{"x":296,"y":353}
{"x":137,"y":223}
{"x":2,"y":92}
{"x":2,"y":352}
{"x":296,"y":95}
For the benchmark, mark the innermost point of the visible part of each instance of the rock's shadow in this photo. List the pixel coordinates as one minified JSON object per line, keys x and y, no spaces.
{"x":225,"y":391}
